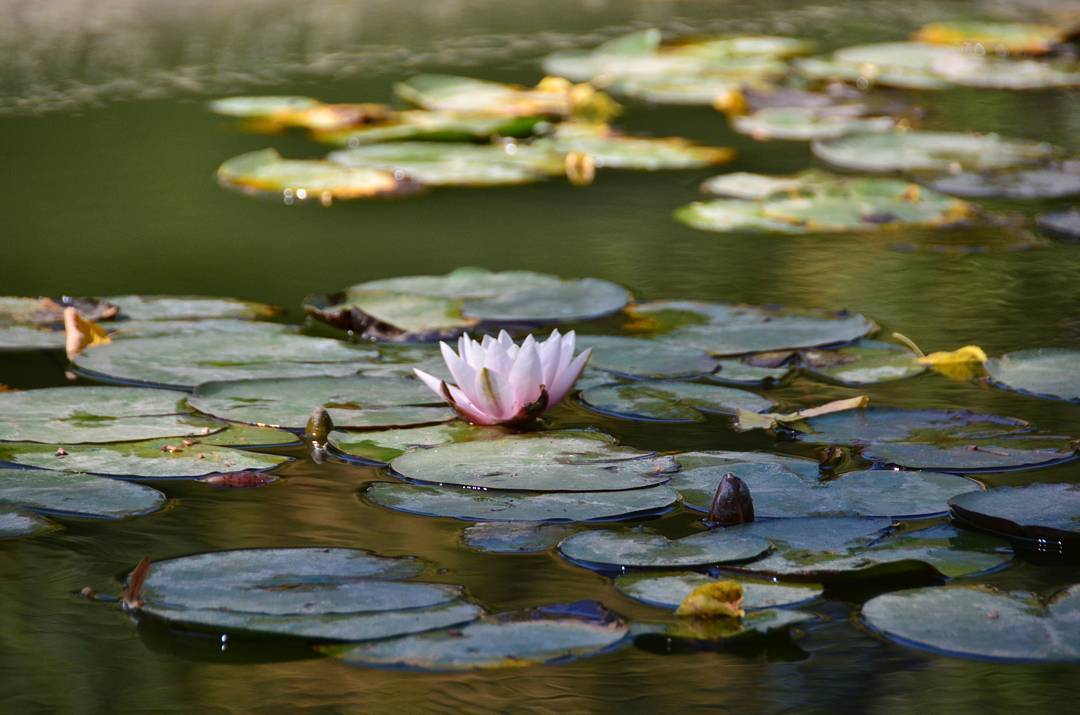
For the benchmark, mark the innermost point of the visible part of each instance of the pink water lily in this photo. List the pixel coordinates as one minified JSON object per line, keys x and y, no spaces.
{"x":499,"y":382}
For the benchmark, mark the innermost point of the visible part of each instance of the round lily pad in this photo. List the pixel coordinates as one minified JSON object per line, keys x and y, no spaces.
{"x":512,"y":538}
{"x":479,"y":505}
{"x":974,"y":456}
{"x":76,"y":494}
{"x":249,"y":436}
{"x":189,"y":307}
{"x":929,"y":151}
{"x":806,"y":124}
{"x":184,"y":361}
{"x":451,"y":164}
{"x":1047,"y":513}
{"x":737,"y":372}
{"x":165,"y":328}
{"x":643,"y":358}
{"x":669,"y":590}
{"x":533,"y":636}
{"x":747,"y":186}
{"x":151,"y":459}
{"x":602,"y":549}
{"x":1061,"y":224}
{"x":845,"y":213}
{"x":980,"y":622}
{"x":1043,"y":372}
{"x":733,"y":216}
{"x":994,"y":36}
{"x":906,"y":65}
{"x":867,"y":362}
{"x":670,"y":400}
{"x":1004,"y":73}
{"x":539,"y":462}
{"x":15,"y":523}
{"x":382,"y":446}
{"x":464,"y":94}
{"x":874,"y":425}
{"x":610,"y":149}
{"x":266,"y":171}
{"x":353,"y":402}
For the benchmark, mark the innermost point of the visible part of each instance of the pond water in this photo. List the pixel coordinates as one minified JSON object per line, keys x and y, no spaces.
{"x":109,"y":189}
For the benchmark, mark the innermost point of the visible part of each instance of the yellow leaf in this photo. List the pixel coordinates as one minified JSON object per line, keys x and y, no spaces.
{"x":720,"y":599}
{"x":580,"y":168}
{"x":965,"y":355}
{"x":81,"y":333}
{"x":731,"y":102}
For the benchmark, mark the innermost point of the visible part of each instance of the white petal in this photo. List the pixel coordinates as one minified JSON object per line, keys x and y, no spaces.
{"x":549,"y":357}
{"x":432,"y":382}
{"x":525,"y":375}
{"x":468,"y":410}
{"x":565,"y":380}
{"x":493,"y":394}
{"x":464,"y":374}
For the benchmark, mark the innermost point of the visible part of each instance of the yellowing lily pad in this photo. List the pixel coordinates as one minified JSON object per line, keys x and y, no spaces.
{"x":423,"y":125}
{"x":451,"y":93}
{"x":266,"y":171}
{"x":995,"y":37}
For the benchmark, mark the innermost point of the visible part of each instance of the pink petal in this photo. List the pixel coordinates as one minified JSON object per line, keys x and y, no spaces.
{"x":468,"y":410}
{"x":565,"y":380}
{"x":493,"y":395}
{"x":434,"y":383}
{"x":549,"y":357}
{"x":462,"y":372}
{"x":525,"y":375}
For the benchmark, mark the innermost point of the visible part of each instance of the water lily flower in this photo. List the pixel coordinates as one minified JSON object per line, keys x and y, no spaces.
{"x":499,"y":382}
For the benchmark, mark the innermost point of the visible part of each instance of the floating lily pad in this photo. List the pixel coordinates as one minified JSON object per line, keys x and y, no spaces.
{"x":76,"y":494}
{"x":151,"y":459}
{"x":724,"y":329}
{"x":602,"y":549}
{"x":748,"y":186}
{"x":1004,"y":73}
{"x":671,"y":400}
{"x":804,"y":124}
{"x":512,"y":538}
{"x":14,"y":523}
{"x":353,"y":402}
{"x":451,"y":93}
{"x":906,"y":65}
{"x":184,"y":361}
{"x":382,"y":446}
{"x":1047,"y":513}
{"x":226,"y":328}
{"x":970,"y":457}
{"x":738,"y":372}
{"x":261,"y":107}
{"x":1043,"y":372}
{"x":533,"y":636}
{"x":930,"y":151}
{"x":1061,"y":224}
{"x":733,"y":216}
{"x":669,"y":590}
{"x":980,"y":622}
{"x":755,"y":624}
{"x":867,"y":362}
{"x":249,"y":436}
{"x":450,"y":164}
{"x":189,"y":307}
{"x":438,"y":306}
{"x":27,"y":337}
{"x":1050,"y":182}
{"x":479,"y":505}
{"x":422,"y":125}
{"x":996,"y":37}
{"x":697,"y":89}
{"x":641,"y":358}
{"x":885,"y":424}
{"x":300,"y":179}
{"x":539,"y":462}
{"x":610,"y":149}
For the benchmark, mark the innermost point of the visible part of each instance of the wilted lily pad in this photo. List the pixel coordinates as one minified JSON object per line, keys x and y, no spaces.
{"x":805,"y":124}
{"x":300,"y":179}
{"x":980,"y":622}
{"x":669,"y":590}
{"x":358,"y":401}
{"x":451,"y":164}
{"x":184,"y":361}
{"x":539,"y":462}
{"x":671,"y":400}
{"x":930,"y":151}
{"x":610,"y":149}
{"x":480,"y":505}
{"x":602,"y":549}
{"x":1043,"y":372}
{"x":76,"y":494}
{"x":512,"y":538}
{"x":534,"y":636}
{"x":15,"y":523}
{"x":381,"y":446}
{"x":641,"y":358}
{"x":1044,"y":512}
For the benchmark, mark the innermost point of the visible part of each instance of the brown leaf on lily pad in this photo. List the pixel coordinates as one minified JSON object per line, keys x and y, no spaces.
{"x":247,"y":479}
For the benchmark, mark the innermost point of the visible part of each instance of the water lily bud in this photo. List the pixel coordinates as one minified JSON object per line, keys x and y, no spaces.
{"x":732,"y":503}
{"x":319,"y":425}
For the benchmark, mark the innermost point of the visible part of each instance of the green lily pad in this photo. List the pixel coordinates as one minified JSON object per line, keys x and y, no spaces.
{"x":738,"y":372}
{"x":249,"y":436}
{"x":76,"y":494}
{"x":184,"y":361}
{"x":224,"y":328}
{"x":26,"y":337}
{"x":533,"y":636}
{"x":478,"y":505}
{"x":422,"y":125}
{"x":970,"y":70}
{"x":1061,"y":224}
{"x":724,"y":631}
{"x":151,"y":459}
{"x":1049,"y":182}
{"x":538,"y":462}
{"x":804,"y":124}
{"x":512,"y":538}
{"x":669,"y":590}
{"x":905,"y":65}
{"x":260,"y":107}
{"x":875,"y":425}
{"x":930,"y":151}
{"x":450,"y":164}
{"x":867,"y":362}
{"x":733,"y":216}
{"x":1043,"y":372}
{"x":671,"y":400}
{"x":972,"y":457}
{"x":750,"y":187}
{"x":356,"y":402}
{"x":612,"y":150}
{"x":641,"y":358}
{"x":841,"y":214}
{"x":15,"y":523}
{"x":450,"y":93}
{"x":602,"y":549}
{"x":994,"y":36}
{"x":980,"y":622}
{"x":696,"y":89}
{"x":189,"y":307}
{"x":265,"y":171}
{"x":382,"y":446}
{"x":1047,"y":513}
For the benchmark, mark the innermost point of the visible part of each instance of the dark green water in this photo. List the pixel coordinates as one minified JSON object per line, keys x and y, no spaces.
{"x":109,"y":154}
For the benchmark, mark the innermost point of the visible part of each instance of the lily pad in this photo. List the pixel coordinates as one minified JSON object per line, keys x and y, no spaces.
{"x":29,"y":337}
{"x":512,"y":538}
{"x":995,"y":37}
{"x":1047,"y":513}
{"x":449,"y":164}
{"x":930,"y":151}
{"x":1061,"y":224}
{"x":80,"y":495}
{"x":977,"y":456}
{"x":265,"y":171}
{"x":1043,"y":372}
{"x":189,"y":307}
{"x":602,"y":549}
{"x":805,"y":124}
{"x":355,"y":402}
{"x":867,"y":362}
{"x":980,"y":622}
{"x":184,"y":361}
{"x":875,"y":425}
{"x":610,"y":149}
{"x":423,"y":125}
{"x":671,"y":400}
{"x":479,"y":505}
{"x":1049,"y":182}
{"x":539,"y":462}
{"x":748,"y":186}
{"x":261,"y":107}
{"x":724,"y":631}
{"x":641,"y":358}
{"x":970,"y":70}
{"x":733,"y":216}
{"x":249,"y":437}
{"x":382,"y":446}
{"x":738,"y":372}
{"x":151,"y":459}
{"x":451,"y":93}
{"x":669,"y":590}
{"x":904,"y":65}
{"x":166,"y":328}
{"x":15,"y":523}
{"x":533,"y":636}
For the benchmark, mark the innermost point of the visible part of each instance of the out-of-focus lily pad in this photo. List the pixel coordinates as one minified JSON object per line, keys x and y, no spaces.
{"x":512,"y":538}
{"x":534,"y":636}
{"x":451,"y":164}
{"x":1061,"y":224}
{"x":184,"y":361}
{"x":725,"y":329}
{"x":641,"y":358}
{"x":225,"y":328}
{"x":382,"y":446}
{"x":670,"y":400}
{"x":867,"y":362}
{"x":995,"y":37}
{"x":980,"y":622}
{"x":479,"y":505}
{"x":265,"y":171}
{"x":422,"y":125}
{"x":841,"y":214}
{"x":750,"y":187}
{"x":930,"y":151}
{"x":151,"y":459}
{"x":27,"y":337}
{"x":189,"y":307}
{"x":1044,"y":512}
{"x":732,"y":216}
{"x":451,"y":93}
{"x":1043,"y":372}
{"x":723,"y":631}
{"x":738,"y":372}
{"x":602,"y":549}
{"x":610,"y":149}
{"x":1002,"y":73}
{"x":1049,"y":182}
{"x":669,"y":590}
{"x":439,"y":306}
{"x":15,"y":523}
{"x":353,"y":402}
{"x":969,"y":457}
{"x":905,"y":65}
{"x":260,"y":107}
{"x":81,"y":495}
{"x":802,"y":124}
{"x":538,"y":462}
